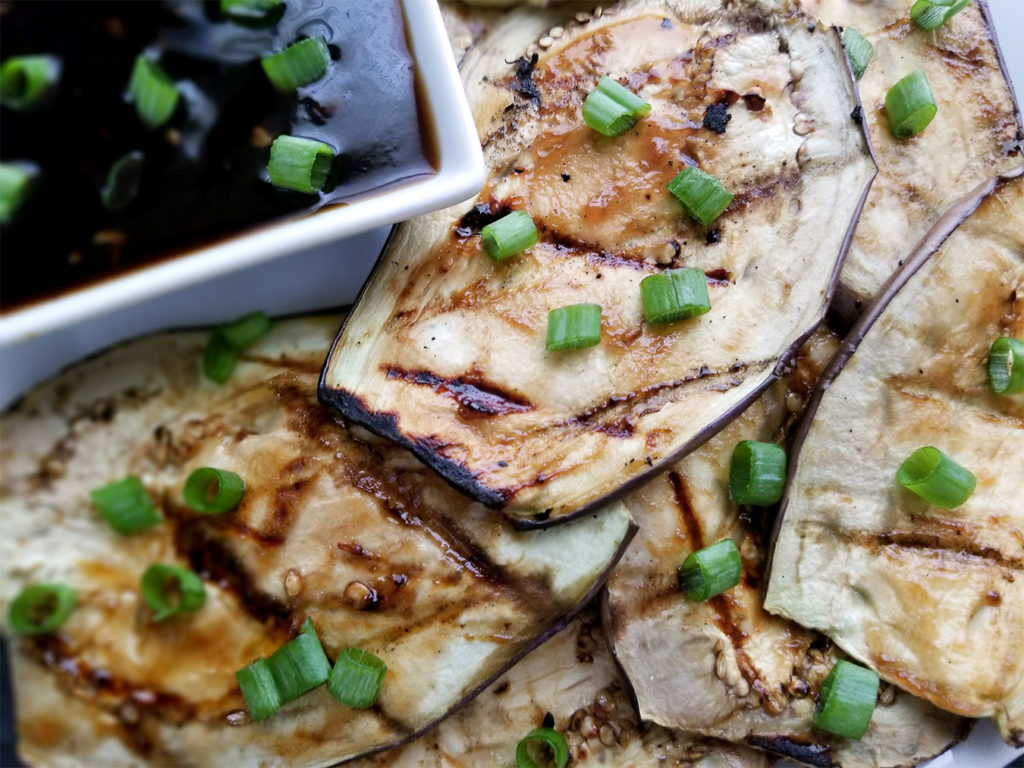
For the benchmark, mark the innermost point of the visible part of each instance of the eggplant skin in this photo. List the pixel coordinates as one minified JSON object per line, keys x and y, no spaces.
{"x":357,"y":536}
{"x":933,"y":600}
{"x":751,"y":677}
{"x":444,"y":353}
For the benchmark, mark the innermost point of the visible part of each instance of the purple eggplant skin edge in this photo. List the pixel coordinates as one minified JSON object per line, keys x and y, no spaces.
{"x":986,"y":15}
{"x":352,"y":408}
{"x":929,"y":245}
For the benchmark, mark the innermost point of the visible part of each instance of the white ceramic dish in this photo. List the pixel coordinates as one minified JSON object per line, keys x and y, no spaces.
{"x":460,"y":174}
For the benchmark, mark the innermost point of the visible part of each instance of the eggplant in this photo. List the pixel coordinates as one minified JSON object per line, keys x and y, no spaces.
{"x":571,"y":682}
{"x":445,"y":352}
{"x":932,"y":599}
{"x":976,"y":133}
{"x":354,"y":534}
{"x":750,"y":677}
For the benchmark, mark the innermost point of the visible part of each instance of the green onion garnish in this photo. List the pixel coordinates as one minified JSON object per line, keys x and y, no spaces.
{"x":936,"y":478}
{"x":910,"y":105}
{"x":509,"y":235}
{"x":846,"y":700}
{"x":169,"y":590}
{"x":859,"y":49}
{"x":26,"y":81}
{"x":299,"y":64}
{"x":154,"y":93}
{"x":247,"y":329}
{"x":757,"y":473}
{"x":356,"y":678}
{"x":611,"y":108}
{"x":300,"y":665}
{"x":125,"y":505}
{"x":700,"y":193}
{"x":123,"y":180}
{"x":299,"y":164}
{"x":252,"y":13}
{"x":1006,"y":366}
{"x":710,"y":571}
{"x":259,"y":689}
{"x":931,"y":14}
{"x":541,"y":748}
{"x":16,"y":180}
{"x":213,"y":491}
{"x":674,"y":294}
{"x":574,"y":327}
{"x":219,"y":358}
{"x":41,"y":608}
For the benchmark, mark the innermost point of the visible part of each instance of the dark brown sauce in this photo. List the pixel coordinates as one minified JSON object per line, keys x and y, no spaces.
{"x":204,"y":177}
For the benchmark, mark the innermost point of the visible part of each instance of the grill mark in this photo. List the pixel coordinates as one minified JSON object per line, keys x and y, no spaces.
{"x":764,"y":190}
{"x":787,"y":746}
{"x":901,"y":385}
{"x":283,"y":361}
{"x":954,"y":540}
{"x":475,"y":395}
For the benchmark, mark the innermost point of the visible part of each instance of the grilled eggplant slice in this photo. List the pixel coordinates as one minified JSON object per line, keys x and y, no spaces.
{"x":574,"y":680}
{"x":933,"y":600}
{"x":361,"y":538}
{"x":749,"y":676}
{"x":975,"y":135}
{"x":445,"y":352}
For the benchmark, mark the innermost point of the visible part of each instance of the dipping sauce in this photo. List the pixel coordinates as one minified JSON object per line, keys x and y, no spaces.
{"x":204,"y":175}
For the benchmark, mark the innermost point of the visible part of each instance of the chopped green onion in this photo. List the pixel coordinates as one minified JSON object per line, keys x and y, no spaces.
{"x":219,"y":358}
{"x":757,"y":473}
{"x":710,"y":571}
{"x":299,"y":164}
{"x":299,"y":64}
{"x":611,"y":108}
{"x":859,"y":49}
{"x":170,"y":590}
{"x":26,"y":81}
{"x":123,"y":180}
{"x":16,"y":180}
{"x":1006,"y":366}
{"x":931,"y":14}
{"x":41,"y":608}
{"x":540,"y":748}
{"x":574,"y":327}
{"x":125,"y":505}
{"x":300,"y":665}
{"x":700,"y":193}
{"x":356,"y":678}
{"x":674,"y":294}
{"x":846,"y":700}
{"x":246,"y":329}
{"x":936,"y":478}
{"x":213,"y":491}
{"x":252,"y":13}
{"x":910,"y":105}
{"x":259,"y":689}
{"x":509,"y":235}
{"x":154,"y":93}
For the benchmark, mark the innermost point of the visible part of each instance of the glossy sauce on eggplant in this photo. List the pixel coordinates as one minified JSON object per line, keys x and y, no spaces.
{"x":204,"y":176}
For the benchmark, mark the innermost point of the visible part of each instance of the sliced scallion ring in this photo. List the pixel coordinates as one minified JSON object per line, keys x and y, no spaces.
{"x":27,"y":81}
{"x":247,"y":329}
{"x":16,"y":180}
{"x":936,"y":478}
{"x":219,"y":358}
{"x":509,"y":235}
{"x":125,"y":505}
{"x":859,"y":49}
{"x":612,"y":108}
{"x":576,"y":326}
{"x":356,"y":678}
{"x":154,"y":93}
{"x":169,"y":590}
{"x":299,"y":164}
{"x":932,"y":14}
{"x":123,"y":181}
{"x":213,"y":491}
{"x":910,"y":105}
{"x":41,"y":608}
{"x":256,"y":682}
{"x":674,"y":294}
{"x":757,"y":473}
{"x":1006,"y":366}
{"x":700,"y":193}
{"x":252,"y":13}
{"x":299,"y":64}
{"x":710,"y":571}
{"x":300,"y":665}
{"x":847,"y":700}
{"x":542,"y":747}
